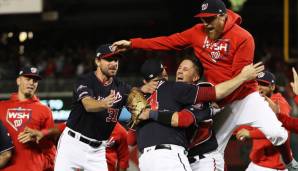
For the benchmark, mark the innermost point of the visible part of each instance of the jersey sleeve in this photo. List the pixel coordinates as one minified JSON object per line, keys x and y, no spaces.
{"x":82,"y":89}
{"x":188,"y":94}
{"x":6,"y":142}
{"x":289,"y":123}
{"x":177,"y":41}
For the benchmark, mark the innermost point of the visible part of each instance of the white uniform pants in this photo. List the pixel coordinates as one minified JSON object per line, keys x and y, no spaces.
{"x":254,"y":167}
{"x":212,"y":161}
{"x":164,"y":159}
{"x":253,"y":110}
{"x":73,"y":154}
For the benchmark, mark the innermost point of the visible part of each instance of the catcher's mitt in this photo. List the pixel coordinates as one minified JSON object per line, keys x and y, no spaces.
{"x":136,"y":103}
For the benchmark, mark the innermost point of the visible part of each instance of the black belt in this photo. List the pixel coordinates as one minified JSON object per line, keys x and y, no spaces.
{"x":94,"y":144}
{"x":160,"y":146}
{"x":192,"y":159}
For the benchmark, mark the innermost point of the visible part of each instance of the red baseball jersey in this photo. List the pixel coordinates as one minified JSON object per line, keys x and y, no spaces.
{"x":16,"y":115}
{"x":222,"y":59}
{"x":117,"y":150}
{"x":263,"y":153}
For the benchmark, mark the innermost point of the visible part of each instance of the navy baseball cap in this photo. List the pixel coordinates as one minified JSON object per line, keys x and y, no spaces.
{"x":266,"y":77}
{"x":151,"y":68}
{"x":105,"y":51}
{"x":211,"y":8}
{"x":31,"y":72}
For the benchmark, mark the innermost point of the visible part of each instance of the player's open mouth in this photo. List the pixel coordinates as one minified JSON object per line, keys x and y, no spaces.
{"x":179,"y":78}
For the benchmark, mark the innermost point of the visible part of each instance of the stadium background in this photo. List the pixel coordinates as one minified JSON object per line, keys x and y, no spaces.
{"x":60,"y":38}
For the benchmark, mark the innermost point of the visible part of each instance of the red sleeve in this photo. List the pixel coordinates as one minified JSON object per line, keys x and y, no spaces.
{"x":131,"y":137}
{"x":244,"y":55}
{"x":122,"y":148}
{"x":177,"y":41}
{"x":205,"y":94}
{"x":296,"y":99}
{"x":185,"y":118}
{"x":254,"y":132}
{"x":288,"y":122}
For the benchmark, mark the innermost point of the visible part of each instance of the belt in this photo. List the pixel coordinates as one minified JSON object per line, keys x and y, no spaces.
{"x":158,"y":147}
{"x":94,"y":144}
{"x":193,"y":159}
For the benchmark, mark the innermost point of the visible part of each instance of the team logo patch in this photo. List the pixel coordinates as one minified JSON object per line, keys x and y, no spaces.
{"x":18,"y":117}
{"x":33,"y":70}
{"x":204,"y":6}
{"x":218,"y":49}
{"x":261,"y":75}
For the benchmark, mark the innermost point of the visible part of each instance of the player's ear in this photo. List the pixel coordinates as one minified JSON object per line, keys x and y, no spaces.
{"x":96,"y":61}
{"x":145,"y":82}
{"x":18,"y":80}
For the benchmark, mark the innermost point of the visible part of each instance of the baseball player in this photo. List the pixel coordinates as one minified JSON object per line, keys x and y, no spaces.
{"x":199,"y":120}
{"x":291,"y":123}
{"x":24,"y":109}
{"x":163,"y":147}
{"x":6,"y":146}
{"x":264,"y":156}
{"x":224,"y":48}
{"x":98,"y":99}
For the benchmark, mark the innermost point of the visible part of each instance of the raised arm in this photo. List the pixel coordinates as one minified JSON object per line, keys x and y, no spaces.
{"x":249,"y":72}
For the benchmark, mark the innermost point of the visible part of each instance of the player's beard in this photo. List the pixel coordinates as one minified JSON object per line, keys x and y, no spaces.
{"x":109,"y":72}
{"x":28,"y":95}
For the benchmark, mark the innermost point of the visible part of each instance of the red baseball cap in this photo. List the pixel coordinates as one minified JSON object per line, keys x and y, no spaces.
{"x":211,"y":8}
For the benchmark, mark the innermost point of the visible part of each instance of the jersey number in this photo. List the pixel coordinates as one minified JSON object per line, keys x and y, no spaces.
{"x":113,"y":115}
{"x":152,"y":101}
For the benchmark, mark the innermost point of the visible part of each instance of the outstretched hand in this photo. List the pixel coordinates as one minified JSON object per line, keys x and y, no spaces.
{"x":30,"y":135}
{"x":250,"y":72}
{"x":121,"y":45}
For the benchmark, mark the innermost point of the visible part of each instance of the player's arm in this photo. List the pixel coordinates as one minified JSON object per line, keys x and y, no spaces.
{"x":37,"y":135}
{"x":249,"y":72}
{"x":290,"y":123}
{"x":190,"y":94}
{"x":5,"y":156}
{"x":92,"y":105}
{"x":183,"y":118}
{"x":177,"y":41}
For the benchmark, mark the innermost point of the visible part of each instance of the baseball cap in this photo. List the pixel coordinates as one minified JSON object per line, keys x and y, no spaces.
{"x":151,"y":68}
{"x":31,"y":72}
{"x":105,"y":51}
{"x":211,"y":8}
{"x":266,"y":77}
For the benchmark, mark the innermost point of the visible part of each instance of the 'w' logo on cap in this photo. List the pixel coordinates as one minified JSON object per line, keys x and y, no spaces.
{"x":204,"y":6}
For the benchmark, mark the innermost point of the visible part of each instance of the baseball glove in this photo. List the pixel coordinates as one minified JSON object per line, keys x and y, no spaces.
{"x":136,"y":103}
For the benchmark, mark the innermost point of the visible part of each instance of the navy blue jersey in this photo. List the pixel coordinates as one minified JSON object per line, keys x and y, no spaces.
{"x":5,"y":143}
{"x":172,"y":96}
{"x":96,"y":125}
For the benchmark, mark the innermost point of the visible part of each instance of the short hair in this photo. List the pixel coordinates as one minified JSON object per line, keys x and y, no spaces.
{"x":197,"y":64}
